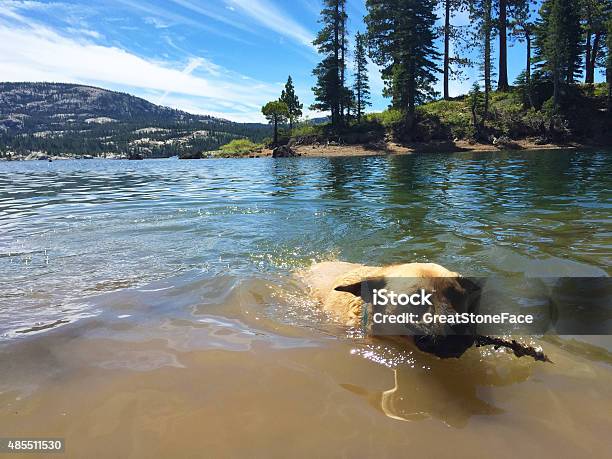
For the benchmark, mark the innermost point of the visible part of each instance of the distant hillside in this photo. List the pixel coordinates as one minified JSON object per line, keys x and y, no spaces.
{"x":71,"y":119}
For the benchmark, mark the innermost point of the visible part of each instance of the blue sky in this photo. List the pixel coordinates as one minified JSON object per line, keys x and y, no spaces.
{"x":220,"y":57}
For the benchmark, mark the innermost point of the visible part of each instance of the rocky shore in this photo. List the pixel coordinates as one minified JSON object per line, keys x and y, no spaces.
{"x":334,"y":149}
{"x":392,"y":148}
{"x":42,"y":156}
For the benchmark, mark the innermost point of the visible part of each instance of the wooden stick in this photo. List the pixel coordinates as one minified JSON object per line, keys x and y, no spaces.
{"x":519,"y":349}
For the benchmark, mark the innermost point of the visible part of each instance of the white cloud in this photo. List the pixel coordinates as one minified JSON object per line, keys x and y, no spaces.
{"x":156,"y":22}
{"x":274,"y":19}
{"x":208,"y":11}
{"x":169,"y":17}
{"x":33,"y":52}
{"x":85,"y":32}
{"x":218,"y":108}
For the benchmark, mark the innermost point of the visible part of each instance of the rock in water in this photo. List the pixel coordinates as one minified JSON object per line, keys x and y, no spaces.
{"x":283,"y":151}
{"x":37,"y":155}
{"x":136,"y":156}
{"x":504,"y":143}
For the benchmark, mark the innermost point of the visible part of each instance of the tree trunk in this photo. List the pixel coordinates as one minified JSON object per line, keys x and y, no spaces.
{"x":474,"y":119}
{"x":593,"y":59}
{"x":587,"y":61}
{"x":336,"y":95}
{"x":446,"y":48}
{"x":275,"y":131}
{"x":502,"y":84}
{"x":609,"y":80}
{"x":359,"y":100}
{"x":528,"y":68}
{"x":411,"y":97}
{"x":342,"y":64}
{"x":528,"y":63}
{"x":556,"y":87}
{"x":487,"y":58}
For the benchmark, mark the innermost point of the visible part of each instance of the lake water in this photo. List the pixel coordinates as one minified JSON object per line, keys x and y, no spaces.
{"x":148,"y":308}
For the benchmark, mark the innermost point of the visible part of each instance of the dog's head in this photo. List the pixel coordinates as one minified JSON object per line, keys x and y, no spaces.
{"x":450,"y":295}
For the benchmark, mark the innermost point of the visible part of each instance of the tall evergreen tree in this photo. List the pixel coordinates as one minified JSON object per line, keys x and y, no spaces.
{"x":609,"y":66}
{"x":522,"y":30}
{"x":452,"y":63}
{"x":401,"y":35}
{"x":361,"y":88}
{"x":481,"y":14}
{"x":276,"y":113}
{"x":508,"y":9}
{"x":448,"y":8}
{"x":330,"y":92}
{"x":345,"y":100}
{"x":502,"y":83}
{"x":595,"y":14}
{"x":557,"y":44}
{"x":290,"y":98}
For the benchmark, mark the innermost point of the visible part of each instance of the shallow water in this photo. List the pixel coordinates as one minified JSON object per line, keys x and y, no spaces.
{"x":148,"y":308}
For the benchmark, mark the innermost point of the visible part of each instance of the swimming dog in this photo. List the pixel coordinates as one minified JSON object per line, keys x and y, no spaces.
{"x":338,"y":286}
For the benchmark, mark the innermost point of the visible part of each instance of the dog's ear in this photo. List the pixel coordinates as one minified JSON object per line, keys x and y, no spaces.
{"x":355,"y":288}
{"x":362,"y":286}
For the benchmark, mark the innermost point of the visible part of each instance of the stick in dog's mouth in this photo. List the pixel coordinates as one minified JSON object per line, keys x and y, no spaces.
{"x":519,"y":349}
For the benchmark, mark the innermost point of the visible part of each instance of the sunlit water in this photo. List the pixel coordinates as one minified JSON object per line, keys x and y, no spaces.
{"x":167,"y":286}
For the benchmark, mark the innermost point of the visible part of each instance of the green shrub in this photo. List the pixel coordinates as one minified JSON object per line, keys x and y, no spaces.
{"x":388,"y":118}
{"x":306,"y":130}
{"x":507,"y":118}
{"x":600,"y":90}
{"x":455,"y":114}
{"x":240,"y":147}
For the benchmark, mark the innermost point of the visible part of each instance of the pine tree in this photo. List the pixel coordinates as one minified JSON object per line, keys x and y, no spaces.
{"x":609,"y":66}
{"x":276,"y":112}
{"x":508,"y":9}
{"x":595,"y":14}
{"x":361,"y":88}
{"x":452,"y":63}
{"x":502,"y":83}
{"x":330,"y":92}
{"x":481,"y":13}
{"x":351,"y":105}
{"x":346,"y":93}
{"x":557,"y":44}
{"x":290,"y":98}
{"x":476,"y":101}
{"x":447,"y":33}
{"x":522,"y":30}
{"x":401,"y":34}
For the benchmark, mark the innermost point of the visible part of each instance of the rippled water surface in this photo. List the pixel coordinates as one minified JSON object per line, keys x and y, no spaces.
{"x":182,"y":271}
{"x":72,"y":229}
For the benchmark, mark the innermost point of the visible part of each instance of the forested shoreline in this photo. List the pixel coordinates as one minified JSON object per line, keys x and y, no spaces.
{"x":554,"y":99}
{"x":558,"y":98}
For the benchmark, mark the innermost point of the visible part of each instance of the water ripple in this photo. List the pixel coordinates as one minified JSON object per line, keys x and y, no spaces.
{"x":74,"y":228}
